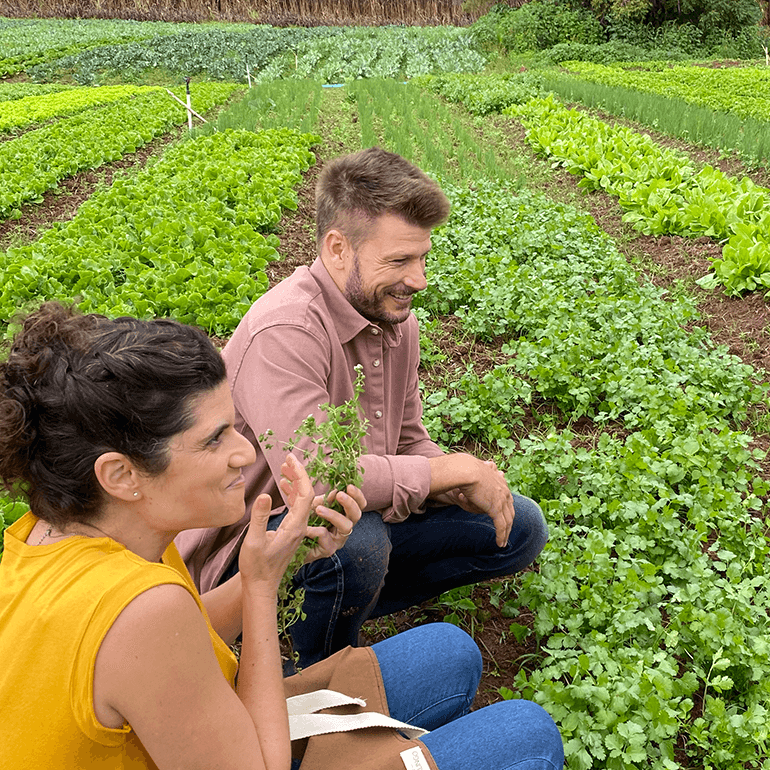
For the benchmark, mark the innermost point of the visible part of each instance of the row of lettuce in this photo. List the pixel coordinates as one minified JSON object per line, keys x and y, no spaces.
{"x":651,"y":600}
{"x":662,"y":191}
{"x":183,"y":238}
{"x":37,"y":160}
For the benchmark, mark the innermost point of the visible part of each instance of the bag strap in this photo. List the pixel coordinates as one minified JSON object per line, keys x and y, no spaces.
{"x":305,"y":722}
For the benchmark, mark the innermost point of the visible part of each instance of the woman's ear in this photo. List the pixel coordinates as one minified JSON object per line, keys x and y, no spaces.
{"x":117,"y":476}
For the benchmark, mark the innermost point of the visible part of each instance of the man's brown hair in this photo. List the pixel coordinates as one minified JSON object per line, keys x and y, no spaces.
{"x":353,"y":190}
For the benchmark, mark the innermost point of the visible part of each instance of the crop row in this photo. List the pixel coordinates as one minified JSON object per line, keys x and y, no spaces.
{"x":744,"y":91}
{"x":27,"y":42}
{"x":660,"y":189}
{"x":366,"y":53}
{"x":400,"y":116}
{"x":181,"y":239}
{"x":484,"y":94}
{"x":36,"y":161}
{"x":41,"y":107}
{"x":11,"y":91}
{"x":652,"y":593}
{"x":695,"y":124}
{"x":700,"y":121}
{"x":329,"y":54}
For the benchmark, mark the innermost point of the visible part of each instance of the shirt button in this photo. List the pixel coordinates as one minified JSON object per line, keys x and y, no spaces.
{"x":376,"y":362}
{"x":374,"y":330}
{"x":378,"y":414}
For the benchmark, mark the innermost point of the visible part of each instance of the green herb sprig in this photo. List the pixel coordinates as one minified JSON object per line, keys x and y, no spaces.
{"x":331,"y":460}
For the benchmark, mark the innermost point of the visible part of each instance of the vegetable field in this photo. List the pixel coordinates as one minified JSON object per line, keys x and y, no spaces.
{"x":595,"y":318}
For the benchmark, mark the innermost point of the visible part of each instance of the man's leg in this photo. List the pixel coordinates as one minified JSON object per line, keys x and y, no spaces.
{"x":340,"y":591}
{"x":448,"y":547}
{"x":431,"y":674}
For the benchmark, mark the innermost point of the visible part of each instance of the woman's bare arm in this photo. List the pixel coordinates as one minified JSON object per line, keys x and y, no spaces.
{"x":156,"y":669}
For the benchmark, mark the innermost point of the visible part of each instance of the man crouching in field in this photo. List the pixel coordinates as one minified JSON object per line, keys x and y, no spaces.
{"x":435,"y":520}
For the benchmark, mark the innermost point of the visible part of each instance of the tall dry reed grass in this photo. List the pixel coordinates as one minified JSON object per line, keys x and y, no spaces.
{"x":277,"y":12}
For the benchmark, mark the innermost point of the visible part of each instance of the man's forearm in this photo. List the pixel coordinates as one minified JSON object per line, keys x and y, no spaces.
{"x":450,"y":471}
{"x":478,"y":486}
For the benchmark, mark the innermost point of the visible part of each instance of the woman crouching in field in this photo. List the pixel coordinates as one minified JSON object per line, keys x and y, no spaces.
{"x":120,"y":433}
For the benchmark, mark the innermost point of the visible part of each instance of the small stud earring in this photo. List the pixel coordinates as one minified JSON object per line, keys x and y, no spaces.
{"x":136,"y":494}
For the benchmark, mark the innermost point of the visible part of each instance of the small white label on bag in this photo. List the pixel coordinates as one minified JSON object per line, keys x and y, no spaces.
{"x":414,"y":759}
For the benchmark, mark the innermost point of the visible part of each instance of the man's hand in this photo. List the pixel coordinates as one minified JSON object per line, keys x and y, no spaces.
{"x":475,"y":485}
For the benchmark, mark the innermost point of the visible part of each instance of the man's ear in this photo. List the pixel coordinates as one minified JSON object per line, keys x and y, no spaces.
{"x":118,"y":476}
{"x":335,"y":250}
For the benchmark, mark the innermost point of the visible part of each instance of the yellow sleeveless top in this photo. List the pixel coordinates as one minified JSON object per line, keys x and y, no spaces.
{"x":57,"y":603}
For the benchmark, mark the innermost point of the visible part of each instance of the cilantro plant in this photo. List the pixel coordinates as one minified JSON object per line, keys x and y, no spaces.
{"x":650,"y":600}
{"x":337,"y":443}
{"x":332,"y":460}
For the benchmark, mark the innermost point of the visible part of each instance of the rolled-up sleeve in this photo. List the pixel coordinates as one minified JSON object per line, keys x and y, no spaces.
{"x":396,"y":485}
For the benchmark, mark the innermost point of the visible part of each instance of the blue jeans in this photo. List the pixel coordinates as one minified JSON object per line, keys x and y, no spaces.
{"x":385,"y":568}
{"x":431,"y":674}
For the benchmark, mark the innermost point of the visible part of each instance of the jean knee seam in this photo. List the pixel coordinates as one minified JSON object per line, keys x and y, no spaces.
{"x":462,"y":697}
{"x":335,"y":613}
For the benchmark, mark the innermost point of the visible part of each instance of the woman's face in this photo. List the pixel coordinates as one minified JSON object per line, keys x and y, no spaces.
{"x":202,"y":485}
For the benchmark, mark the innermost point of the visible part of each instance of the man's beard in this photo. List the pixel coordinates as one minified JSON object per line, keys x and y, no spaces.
{"x":371,"y":304}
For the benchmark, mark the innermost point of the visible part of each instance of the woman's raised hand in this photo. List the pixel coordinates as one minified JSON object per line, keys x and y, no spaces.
{"x":331,"y":540}
{"x":265,"y":555}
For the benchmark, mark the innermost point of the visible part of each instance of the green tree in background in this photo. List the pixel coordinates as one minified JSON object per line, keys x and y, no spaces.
{"x":730,"y":15}
{"x":695,"y":27}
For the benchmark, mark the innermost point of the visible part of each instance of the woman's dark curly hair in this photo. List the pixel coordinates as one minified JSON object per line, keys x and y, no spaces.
{"x":75,"y":386}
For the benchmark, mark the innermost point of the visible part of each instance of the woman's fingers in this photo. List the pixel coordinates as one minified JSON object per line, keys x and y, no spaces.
{"x":295,"y":485}
{"x":334,"y":537}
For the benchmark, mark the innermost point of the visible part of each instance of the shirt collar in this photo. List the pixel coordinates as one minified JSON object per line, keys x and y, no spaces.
{"x":346,"y":319}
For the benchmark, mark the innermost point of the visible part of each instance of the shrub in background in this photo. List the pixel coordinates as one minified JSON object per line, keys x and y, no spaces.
{"x":536,"y":26}
{"x":696,"y":29}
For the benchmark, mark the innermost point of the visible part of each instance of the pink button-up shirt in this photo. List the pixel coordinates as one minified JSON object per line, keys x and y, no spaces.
{"x":294,"y":350}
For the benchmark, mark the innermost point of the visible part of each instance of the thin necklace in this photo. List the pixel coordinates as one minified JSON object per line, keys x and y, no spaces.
{"x":46,"y":534}
{"x":48,"y":531}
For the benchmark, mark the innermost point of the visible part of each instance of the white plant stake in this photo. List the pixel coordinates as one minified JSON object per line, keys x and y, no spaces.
{"x":186,"y":106}
{"x":189,"y":105}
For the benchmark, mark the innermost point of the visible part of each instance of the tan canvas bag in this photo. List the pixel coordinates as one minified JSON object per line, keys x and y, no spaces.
{"x":338,"y":713}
